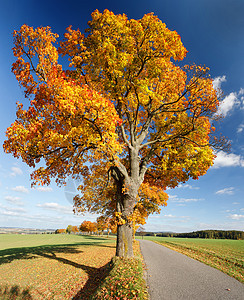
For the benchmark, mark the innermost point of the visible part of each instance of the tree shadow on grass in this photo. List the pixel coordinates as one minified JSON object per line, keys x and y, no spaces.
{"x":95,"y":275}
{"x":11,"y":254}
{"x":14,"y":293}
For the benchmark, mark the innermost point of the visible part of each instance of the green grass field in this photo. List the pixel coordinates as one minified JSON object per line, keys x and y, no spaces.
{"x":225,"y":255}
{"x":48,"y":266}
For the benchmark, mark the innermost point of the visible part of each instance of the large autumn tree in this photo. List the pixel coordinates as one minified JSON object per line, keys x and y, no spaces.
{"x":125,"y":116}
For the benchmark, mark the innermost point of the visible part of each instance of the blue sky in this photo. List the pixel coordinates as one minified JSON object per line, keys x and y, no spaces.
{"x":213,"y":33}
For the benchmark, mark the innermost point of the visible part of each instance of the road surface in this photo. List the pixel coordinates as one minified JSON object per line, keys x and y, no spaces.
{"x":174,"y":276}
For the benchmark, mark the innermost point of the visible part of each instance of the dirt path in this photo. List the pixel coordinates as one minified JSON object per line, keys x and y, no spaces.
{"x":174,"y":276}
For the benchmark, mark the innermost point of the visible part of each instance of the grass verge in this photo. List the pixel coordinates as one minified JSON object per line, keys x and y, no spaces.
{"x":125,"y":279}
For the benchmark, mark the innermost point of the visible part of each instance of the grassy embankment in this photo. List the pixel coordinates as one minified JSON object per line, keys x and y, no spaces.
{"x":66,"y":267}
{"x":225,"y":255}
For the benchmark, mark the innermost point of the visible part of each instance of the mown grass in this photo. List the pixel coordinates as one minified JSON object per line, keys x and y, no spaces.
{"x":224,"y":255}
{"x":67,"y":267}
{"x":8,"y":241}
{"x":52,"y":266}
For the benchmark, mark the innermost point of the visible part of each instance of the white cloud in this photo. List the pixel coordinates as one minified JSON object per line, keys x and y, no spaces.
{"x":16,"y":209}
{"x":240,"y":128}
{"x":10,"y":213}
{"x":229,"y":225}
{"x":226,"y":191}
{"x":44,"y":189}
{"x":241,"y":94}
{"x":218,"y":81}
{"x":169,"y":216}
{"x":176,"y":199}
{"x":21,"y":189}
{"x":230,"y":101}
{"x":16,"y":171}
{"x":187,"y":186}
{"x":176,"y":217}
{"x":56,"y":207}
{"x":228,"y":160}
{"x":14,"y":200}
{"x":236,"y":217}
{"x":228,"y":104}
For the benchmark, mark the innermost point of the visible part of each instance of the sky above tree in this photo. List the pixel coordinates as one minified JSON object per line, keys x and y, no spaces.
{"x":212,"y":32}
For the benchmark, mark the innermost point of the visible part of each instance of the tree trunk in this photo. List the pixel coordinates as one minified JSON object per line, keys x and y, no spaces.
{"x":125,"y":207}
{"x":127,"y":195}
{"x":124,"y":241}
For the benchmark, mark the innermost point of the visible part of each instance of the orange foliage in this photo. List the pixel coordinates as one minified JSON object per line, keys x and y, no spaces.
{"x":88,"y":226}
{"x":60,"y":231}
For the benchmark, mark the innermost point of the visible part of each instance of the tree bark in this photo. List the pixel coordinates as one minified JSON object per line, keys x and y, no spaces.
{"x":127,"y":194}
{"x":125,"y":206}
{"x":124,"y":241}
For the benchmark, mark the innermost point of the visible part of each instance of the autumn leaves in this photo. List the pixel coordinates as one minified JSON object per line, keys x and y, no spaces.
{"x":125,"y":115}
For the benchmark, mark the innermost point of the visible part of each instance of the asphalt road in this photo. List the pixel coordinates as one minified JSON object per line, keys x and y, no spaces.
{"x":174,"y":276}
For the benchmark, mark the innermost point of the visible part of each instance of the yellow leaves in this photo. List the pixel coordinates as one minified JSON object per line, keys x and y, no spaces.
{"x":123,"y":92}
{"x":120,"y":220}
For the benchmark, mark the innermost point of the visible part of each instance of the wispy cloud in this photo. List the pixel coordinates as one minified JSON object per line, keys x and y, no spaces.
{"x":169,"y":216}
{"x":175,"y":217}
{"x":56,"y":207}
{"x":226,"y":191}
{"x":21,"y":189}
{"x":10,"y":211}
{"x":187,"y":186}
{"x":240,"y":128}
{"x":16,"y":171}
{"x":229,"y":225}
{"x":14,"y":200}
{"x":241,"y":95}
{"x":176,"y":199}
{"x":228,"y":160}
{"x":236,"y":217}
{"x":43,"y":189}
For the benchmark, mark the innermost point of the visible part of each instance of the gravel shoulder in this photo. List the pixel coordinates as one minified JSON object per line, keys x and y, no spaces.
{"x":174,"y":276}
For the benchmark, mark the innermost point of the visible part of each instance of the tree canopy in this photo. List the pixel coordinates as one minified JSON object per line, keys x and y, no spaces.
{"x":126,"y":115}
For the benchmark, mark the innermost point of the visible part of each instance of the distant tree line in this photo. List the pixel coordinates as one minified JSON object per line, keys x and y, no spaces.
{"x":87,"y":227}
{"x":203,"y":234}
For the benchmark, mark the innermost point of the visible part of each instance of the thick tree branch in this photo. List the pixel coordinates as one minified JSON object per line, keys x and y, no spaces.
{"x":124,"y":137}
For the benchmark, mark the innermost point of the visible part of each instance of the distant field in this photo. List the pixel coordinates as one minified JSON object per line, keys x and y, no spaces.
{"x":225,"y":255}
{"x":52,"y":266}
